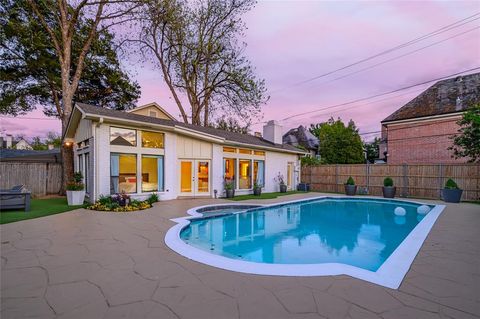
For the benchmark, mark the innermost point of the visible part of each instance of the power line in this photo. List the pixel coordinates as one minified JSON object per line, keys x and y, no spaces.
{"x":379,"y":94}
{"x":28,"y":118}
{"x":400,"y":56}
{"x":397,"y":47}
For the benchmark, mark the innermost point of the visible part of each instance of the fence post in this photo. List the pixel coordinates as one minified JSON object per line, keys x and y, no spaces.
{"x":367,"y":177}
{"x":336,"y":178}
{"x":441,"y":175}
{"x":405,"y":181}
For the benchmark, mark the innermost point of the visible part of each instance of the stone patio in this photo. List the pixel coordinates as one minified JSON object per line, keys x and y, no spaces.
{"x":85,"y":264}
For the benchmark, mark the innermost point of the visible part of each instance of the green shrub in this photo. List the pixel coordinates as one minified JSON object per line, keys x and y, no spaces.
{"x":74,"y":186}
{"x":388,"y":182}
{"x":350,"y":181}
{"x":310,"y":161}
{"x":77,"y":177}
{"x":450,"y":184}
{"x":152,"y":199}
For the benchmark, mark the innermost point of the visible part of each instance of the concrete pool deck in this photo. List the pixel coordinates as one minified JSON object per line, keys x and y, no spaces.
{"x":84,"y":264}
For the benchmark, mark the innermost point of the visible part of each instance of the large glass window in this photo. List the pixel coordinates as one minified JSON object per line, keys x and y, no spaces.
{"x":123,"y":136}
{"x":86,"y":172}
{"x":245,"y":174}
{"x":259,"y":172}
{"x":123,"y":173}
{"x":152,"y":139}
{"x":229,"y":169}
{"x":202,"y":176}
{"x":152,"y":173}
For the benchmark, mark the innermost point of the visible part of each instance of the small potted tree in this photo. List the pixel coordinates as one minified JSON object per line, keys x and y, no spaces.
{"x":257,"y":188}
{"x":279,"y":179}
{"x":350,"y":187}
{"x":451,"y":193}
{"x":76,"y":190}
{"x":388,"y":189}
{"x":229,"y":189}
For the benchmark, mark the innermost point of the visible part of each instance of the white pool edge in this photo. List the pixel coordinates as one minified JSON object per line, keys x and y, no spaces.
{"x":390,"y":274}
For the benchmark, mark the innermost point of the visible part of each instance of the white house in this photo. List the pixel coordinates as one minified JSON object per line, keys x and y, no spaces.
{"x":146,"y":150}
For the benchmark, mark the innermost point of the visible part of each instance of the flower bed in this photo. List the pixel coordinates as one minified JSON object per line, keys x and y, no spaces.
{"x":122,"y":203}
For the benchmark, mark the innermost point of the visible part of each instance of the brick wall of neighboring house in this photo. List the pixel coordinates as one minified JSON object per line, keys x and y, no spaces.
{"x":422,"y":141}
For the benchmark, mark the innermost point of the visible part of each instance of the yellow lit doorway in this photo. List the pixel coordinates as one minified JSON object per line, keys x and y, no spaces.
{"x":195,"y":177}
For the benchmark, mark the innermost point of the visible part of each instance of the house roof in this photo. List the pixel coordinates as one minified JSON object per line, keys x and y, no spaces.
{"x":447,"y":96}
{"x":154,"y":104}
{"x":301,"y":136}
{"x":228,"y":137}
{"x":14,"y":155}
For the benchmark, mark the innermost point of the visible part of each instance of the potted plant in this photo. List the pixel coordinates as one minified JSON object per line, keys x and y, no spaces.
{"x":76,"y":190}
{"x":388,"y":189}
{"x":350,"y":187}
{"x":279,"y":179}
{"x":257,"y":189}
{"x":229,"y":189}
{"x":451,"y":193}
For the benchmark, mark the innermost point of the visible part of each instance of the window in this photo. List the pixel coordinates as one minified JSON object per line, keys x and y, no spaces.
{"x":259,"y":153}
{"x":86,"y":172}
{"x":245,"y":174}
{"x":123,"y":136}
{"x":153,"y":114}
{"x":229,"y":169}
{"x":230,"y":149}
{"x":259,"y":172}
{"x":80,"y":164}
{"x":123,"y":173}
{"x":244,"y":151}
{"x":152,"y":173}
{"x":152,"y":139}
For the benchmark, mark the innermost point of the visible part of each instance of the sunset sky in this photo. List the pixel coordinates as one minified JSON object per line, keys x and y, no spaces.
{"x":292,"y":41}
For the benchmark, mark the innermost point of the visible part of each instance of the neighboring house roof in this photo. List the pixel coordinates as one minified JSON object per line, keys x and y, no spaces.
{"x":155,"y":105}
{"x":444,"y":97}
{"x":30,"y":156}
{"x":301,"y":136}
{"x":228,"y":137}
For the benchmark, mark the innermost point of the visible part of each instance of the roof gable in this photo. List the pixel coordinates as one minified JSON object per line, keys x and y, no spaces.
{"x":145,"y":109}
{"x":444,"y":97}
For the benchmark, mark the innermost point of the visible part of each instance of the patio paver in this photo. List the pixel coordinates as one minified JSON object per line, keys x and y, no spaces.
{"x":85,"y":264}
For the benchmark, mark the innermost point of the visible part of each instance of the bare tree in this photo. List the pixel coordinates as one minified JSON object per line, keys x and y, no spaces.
{"x":195,"y":44}
{"x":62,"y":31}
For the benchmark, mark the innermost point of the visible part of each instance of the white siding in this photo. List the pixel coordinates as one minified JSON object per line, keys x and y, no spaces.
{"x":191,"y":148}
{"x":84,"y":131}
{"x":277,"y":163}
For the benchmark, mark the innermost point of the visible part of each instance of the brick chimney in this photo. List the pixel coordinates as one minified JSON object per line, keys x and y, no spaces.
{"x":272,"y":132}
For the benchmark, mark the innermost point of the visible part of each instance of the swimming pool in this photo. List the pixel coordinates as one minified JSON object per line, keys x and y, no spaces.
{"x":361,"y":237}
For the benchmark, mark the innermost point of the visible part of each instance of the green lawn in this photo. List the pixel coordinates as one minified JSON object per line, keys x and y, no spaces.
{"x":38,"y":208}
{"x":264,"y":195}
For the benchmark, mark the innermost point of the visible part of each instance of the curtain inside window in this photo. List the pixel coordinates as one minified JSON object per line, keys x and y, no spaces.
{"x":114,"y":172}
{"x":261,"y":173}
{"x":160,"y":173}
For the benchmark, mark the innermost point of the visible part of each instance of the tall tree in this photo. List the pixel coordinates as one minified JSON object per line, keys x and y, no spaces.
{"x":62,"y":52}
{"x":372,"y":149}
{"x":232,"y":125}
{"x":339,"y":143}
{"x":195,"y":44}
{"x":467,"y":143}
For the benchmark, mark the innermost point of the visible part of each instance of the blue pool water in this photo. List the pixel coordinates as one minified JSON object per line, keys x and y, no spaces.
{"x":357,"y":232}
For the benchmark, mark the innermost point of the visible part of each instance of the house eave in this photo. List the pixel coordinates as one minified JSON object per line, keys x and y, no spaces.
{"x":424,"y":118}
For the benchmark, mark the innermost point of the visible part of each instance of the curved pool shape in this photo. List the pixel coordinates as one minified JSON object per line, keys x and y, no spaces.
{"x":362,"y":238}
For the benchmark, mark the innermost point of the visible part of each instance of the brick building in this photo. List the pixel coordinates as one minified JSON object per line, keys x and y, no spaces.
{"x":421,"y":130}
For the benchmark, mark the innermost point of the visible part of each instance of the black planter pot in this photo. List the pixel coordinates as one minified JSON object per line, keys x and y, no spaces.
{"x":230,"y":193}
{"x":257,"y":191}
{"x":389,"y":191}
{"x":283,"y":188}
{"x":452,"y":195}
{"x":350,"y":190}
{"x":303,"y":187}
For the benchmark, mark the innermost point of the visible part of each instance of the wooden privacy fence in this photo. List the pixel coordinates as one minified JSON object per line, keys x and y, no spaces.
{"x":411,"y":180}
{"x":40,"y":178}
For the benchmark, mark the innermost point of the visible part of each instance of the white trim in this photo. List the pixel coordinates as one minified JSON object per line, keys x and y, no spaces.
{"x":425,"y":118}
{"x":390,"y":274}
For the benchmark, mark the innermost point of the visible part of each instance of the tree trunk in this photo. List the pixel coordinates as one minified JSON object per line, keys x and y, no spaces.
{"x":66,"y":150}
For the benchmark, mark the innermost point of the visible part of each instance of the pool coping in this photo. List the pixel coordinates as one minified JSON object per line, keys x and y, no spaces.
{"x":390,"y":274}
